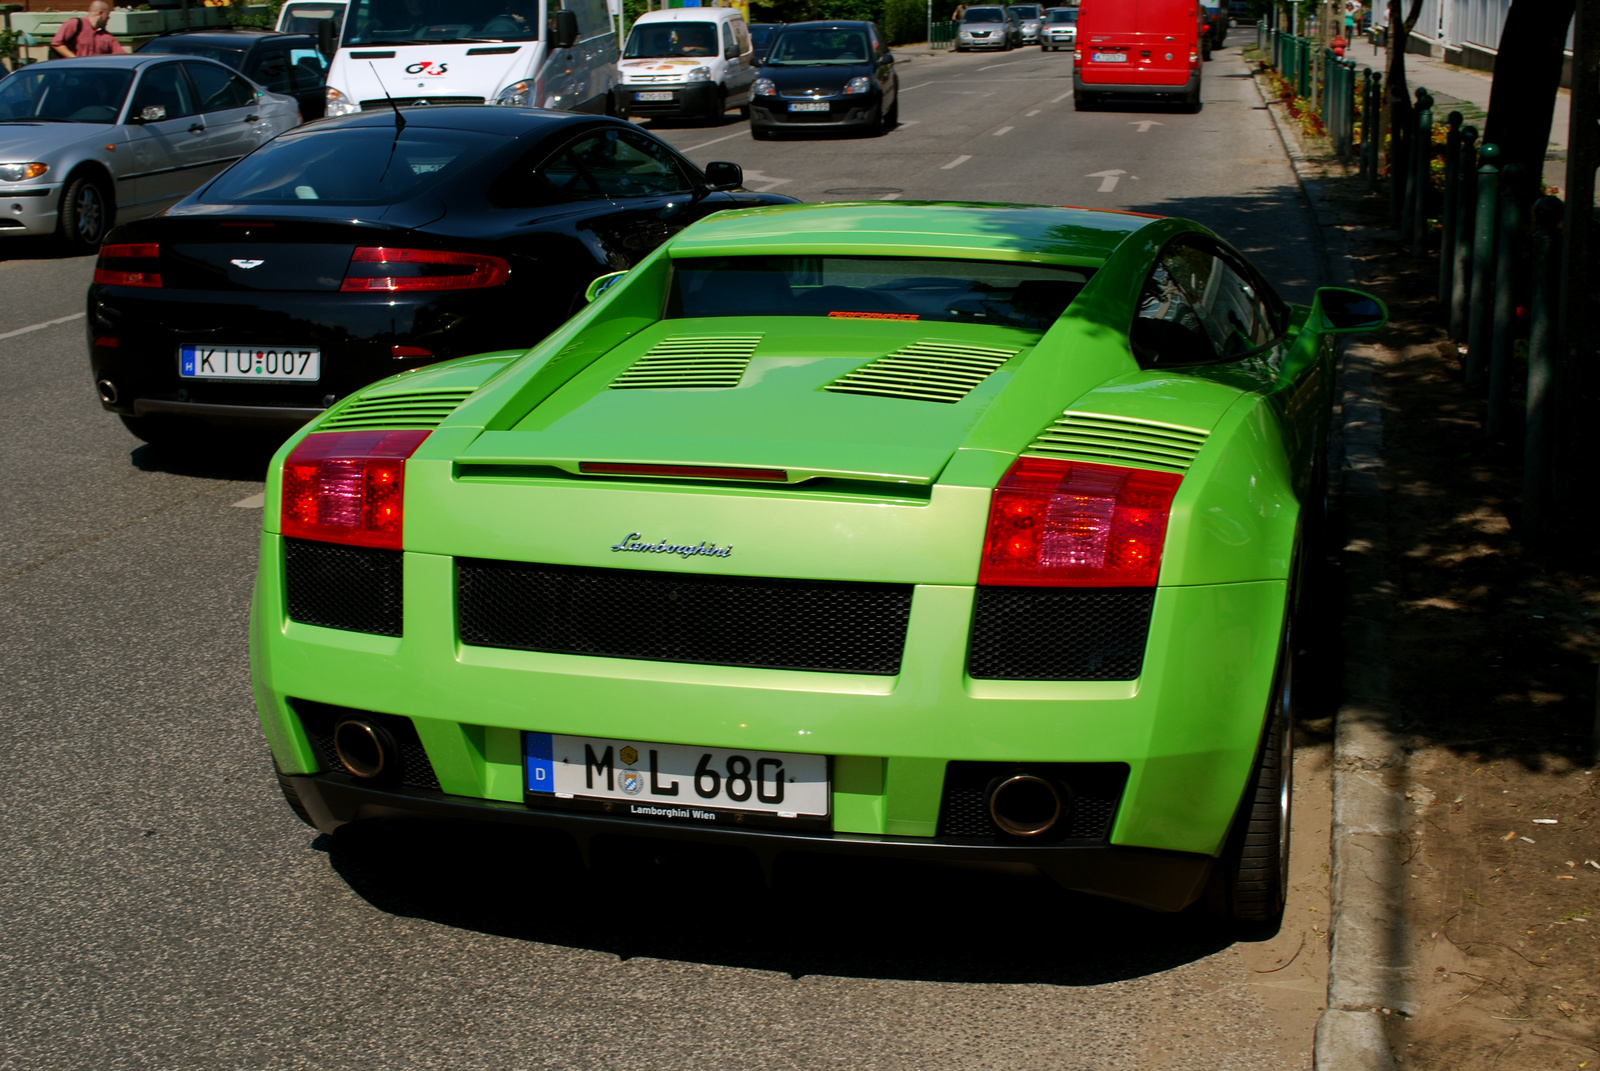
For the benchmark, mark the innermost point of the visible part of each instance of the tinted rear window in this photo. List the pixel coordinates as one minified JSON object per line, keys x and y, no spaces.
{"x":228,"y":56}
{"x":875,"y":288}
{"x":369,"y":166}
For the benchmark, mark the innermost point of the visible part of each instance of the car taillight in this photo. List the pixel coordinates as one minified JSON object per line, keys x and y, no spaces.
{"x":381,"y":268}
{"x":1194,"y":56}
{"x":1074,"y":524}
{"x":133,"y":264}
{"x":348,"y":487}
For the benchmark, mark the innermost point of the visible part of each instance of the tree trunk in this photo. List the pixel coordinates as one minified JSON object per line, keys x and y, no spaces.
{"x":1399,"y":102}
{"x":1527,"y":71}
{"x":1577,"y":380}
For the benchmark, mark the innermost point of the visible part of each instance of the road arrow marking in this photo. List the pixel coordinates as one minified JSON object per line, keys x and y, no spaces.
{"x":752,"y":177}
{"x":1144,"y":125}
{"x":1108,"y":179}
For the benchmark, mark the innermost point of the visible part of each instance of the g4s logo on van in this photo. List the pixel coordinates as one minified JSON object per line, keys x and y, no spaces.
{"x":428,"y":67}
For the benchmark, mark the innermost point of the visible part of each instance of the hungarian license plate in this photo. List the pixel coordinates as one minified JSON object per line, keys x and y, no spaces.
{"x":655,"y":95}
{"x":675,"y":781}
{"x":1110,"y":57}
{"x":809,"y":106}
{"x":242,"y":362}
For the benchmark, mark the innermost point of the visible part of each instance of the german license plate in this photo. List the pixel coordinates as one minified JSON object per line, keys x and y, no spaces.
{"x":656,"y":95}
{"x":1110,"y":57}
{"x":249,"y":362}
{"x":809,"y":106}
{"x":675,"y":781}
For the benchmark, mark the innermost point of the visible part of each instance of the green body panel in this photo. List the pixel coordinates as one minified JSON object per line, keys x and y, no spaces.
{"x":878,"y":489}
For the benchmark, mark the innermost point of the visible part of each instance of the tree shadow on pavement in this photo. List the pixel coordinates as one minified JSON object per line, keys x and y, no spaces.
{"x":821,"y":915}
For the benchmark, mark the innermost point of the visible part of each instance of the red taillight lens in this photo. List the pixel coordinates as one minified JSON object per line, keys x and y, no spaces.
{"x":1073,"y":524}
{"x":381,"y":268}
{"x":125,"y":265}
{"x":348,"y":487}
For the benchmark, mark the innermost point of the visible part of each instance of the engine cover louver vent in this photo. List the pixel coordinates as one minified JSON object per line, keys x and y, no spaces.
{"x":418,"y":409}
{"x":1120,"y":440}
{"x":691,"y":361}
{"x":925,"y":371}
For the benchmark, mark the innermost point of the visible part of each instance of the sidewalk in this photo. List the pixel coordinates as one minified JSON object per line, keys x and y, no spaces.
{"x":1467,"y":91}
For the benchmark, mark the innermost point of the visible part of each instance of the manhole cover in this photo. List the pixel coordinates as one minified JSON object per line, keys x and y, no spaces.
{"x":864,"y":191}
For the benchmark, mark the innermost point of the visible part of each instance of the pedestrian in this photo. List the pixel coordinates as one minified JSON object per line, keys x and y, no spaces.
{"x":961,"y":9}
{"x":87,"y":36}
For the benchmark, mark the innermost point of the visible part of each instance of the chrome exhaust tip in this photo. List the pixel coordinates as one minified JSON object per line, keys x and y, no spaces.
{"x":108,"y":391}
{"x":1025,"y":805}
{"x":365,"y":749}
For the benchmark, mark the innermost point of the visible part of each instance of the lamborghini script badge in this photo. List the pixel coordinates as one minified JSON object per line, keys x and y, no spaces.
{"x":632,"y":542}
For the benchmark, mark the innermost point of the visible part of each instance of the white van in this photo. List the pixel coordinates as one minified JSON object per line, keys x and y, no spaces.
{"x":695,"y":61}
{"x":558,"y":54}
{"x":302,"y":16}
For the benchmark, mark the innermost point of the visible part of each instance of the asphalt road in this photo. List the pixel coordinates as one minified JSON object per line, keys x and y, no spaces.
{"x":161,"y":908}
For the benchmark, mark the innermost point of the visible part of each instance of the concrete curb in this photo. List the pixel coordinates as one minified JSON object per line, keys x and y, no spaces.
{"x":1370,"y":957}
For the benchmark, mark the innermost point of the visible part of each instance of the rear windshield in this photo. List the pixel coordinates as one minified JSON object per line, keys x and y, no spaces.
{"x":369,"y":166}
{"x":875,"y":288}
{"x":984,"y":14}
{"x":1062,"y":14}
{"x":661,"y":39}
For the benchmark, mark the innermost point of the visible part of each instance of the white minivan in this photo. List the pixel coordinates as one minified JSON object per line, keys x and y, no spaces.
{"x":559,"y":54}
{"x":693,"y":61}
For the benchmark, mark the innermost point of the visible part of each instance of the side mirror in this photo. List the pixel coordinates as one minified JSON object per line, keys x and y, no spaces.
{"x":721,"y":175}
{"x":563,"y":29}
{"x":153,"y":114}
{"x":602,"y":284}
{"x":325,"y":42}
{"x":1349,"y":310}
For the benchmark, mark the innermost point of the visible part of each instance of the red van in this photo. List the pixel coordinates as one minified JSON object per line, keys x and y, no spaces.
{"x":1137,"y":48}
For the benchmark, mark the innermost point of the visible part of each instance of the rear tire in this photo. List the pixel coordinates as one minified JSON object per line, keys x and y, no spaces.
{"x":717,"y":108}
{"x":1083,"y":102}
{"x":85,"y":214}
{"x":291,"y":796}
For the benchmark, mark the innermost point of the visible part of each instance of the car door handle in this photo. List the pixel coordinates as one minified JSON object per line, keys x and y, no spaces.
{"x":197,"y":128}
{"x":251,"y":118}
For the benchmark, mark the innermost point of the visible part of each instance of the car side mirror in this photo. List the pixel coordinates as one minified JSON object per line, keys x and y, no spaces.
{"x":153,"y":114}
{"x":325,"y":42}
{"x":721,"y":175}
{"x":1349,"y":310}
{"x":602,"y":284}
{"x":564,"y":29}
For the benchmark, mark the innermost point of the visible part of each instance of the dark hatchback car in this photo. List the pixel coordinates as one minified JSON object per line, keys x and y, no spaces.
{"x":354,"y":248}
{"x":826,"y":75}
{"x":286,"y":63}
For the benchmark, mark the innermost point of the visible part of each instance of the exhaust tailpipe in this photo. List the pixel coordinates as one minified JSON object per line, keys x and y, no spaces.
{"x":108,"y":391}
{"x":365,"y":749}
{"x":1025,"y":805}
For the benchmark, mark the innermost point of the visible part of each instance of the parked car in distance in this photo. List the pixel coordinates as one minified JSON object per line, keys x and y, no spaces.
{"x":1060,"y":29}
{"x":694,"y":61}
{"x":1147,"y":48}
{"x":85,"y":142}
{"x":1213,"y":29}
{"x":286,"y":63}
{"x":354,"y":248}
{"x":826,"y":75}
{"x":761,"y":35}
{"x":1031,"y":16}
{"x":988,"y":26}
{"x":952,"y":532}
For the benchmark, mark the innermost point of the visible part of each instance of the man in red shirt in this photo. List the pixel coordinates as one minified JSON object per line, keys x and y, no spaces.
{"x":87,"y":36}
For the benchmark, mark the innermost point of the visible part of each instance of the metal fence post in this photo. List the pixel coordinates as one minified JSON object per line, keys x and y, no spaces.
{"x":1421,"y":159}
{"x":1399,"y":158}
{"x":1507,"y":241}
{"x":1447,"y":213}
{"x":1480,"y":318}
{"x":1369,"y":133}
{"x":1547,"y":212}
{"x":1466,"y":217}
{"x":1305,"y":67}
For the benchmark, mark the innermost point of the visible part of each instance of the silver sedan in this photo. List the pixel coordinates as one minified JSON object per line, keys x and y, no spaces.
{"x":88,"y":142}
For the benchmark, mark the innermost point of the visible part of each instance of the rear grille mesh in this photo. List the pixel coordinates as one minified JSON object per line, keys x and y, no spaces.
{"x":705,"y":361}
{"x":418,"y":409}
{"x":1120,"y":440}
{"x":926,"y":371}
{"x":319,"y":719}
{"x":1059,"y":634}
{"x":1095,"y":789}
{"x":830,"y":626}
{"x":357,"y":589}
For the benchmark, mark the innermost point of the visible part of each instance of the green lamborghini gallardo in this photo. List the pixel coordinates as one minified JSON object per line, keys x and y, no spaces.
{"x":956,"y":532}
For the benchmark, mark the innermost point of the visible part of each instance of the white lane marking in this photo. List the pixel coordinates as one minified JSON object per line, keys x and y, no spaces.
{"x":760,"y":176}
{"x":957,"y":162}
{"x":891,"y":197}
{"x":41,"y":327}
{"x":1108,"y":179}
{"x":1062,"y":97}
{"x":1003,"y":130}
{"x":705,"y":144}
{"x":992,"y":66}
{"x":1031,"y":114}
{"x":1144,"y":125}
{"x":910,"y":122}
{"x":255,"y":501}
{"x":919,"y":85}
